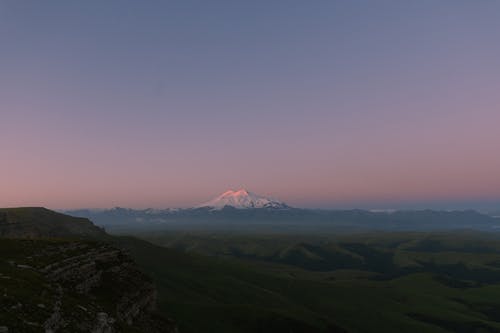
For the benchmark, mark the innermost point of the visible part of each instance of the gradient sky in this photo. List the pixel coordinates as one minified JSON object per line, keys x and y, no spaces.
{"x":316,"y":103}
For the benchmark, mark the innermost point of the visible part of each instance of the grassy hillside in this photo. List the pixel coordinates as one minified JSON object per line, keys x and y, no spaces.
{"x":37,"y":222}
{"x":222,"y":296}
{"x":224,"y":282}
{"x":406,"y":282}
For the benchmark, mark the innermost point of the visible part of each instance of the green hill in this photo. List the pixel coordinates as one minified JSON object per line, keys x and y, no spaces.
{"x":382,"y":282}
{"x":37,"y":222}
{"x":225,"y":282}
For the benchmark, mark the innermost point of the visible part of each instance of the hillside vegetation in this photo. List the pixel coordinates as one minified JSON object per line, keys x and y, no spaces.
{"x":383,"y":282}
{"x":67,"y":275}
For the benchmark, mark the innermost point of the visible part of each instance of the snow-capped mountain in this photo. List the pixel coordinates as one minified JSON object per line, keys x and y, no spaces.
{"x":242,"y":199}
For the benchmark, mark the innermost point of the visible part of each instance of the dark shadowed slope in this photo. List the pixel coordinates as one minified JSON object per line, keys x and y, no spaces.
{"x":74,"y":286}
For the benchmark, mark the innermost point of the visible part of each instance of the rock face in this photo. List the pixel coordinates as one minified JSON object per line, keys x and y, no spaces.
{"x":75,"y":286}
{"x":57,"y":274}
{"x":35,"y":222}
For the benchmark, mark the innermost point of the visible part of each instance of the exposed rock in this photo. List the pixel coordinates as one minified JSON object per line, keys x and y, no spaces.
{"x":79,"y":284}
{"x":85,"y":287}
{"x":103,"y":324}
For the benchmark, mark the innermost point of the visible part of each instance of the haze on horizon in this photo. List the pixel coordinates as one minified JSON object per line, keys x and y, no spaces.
{"x":318,"y":104}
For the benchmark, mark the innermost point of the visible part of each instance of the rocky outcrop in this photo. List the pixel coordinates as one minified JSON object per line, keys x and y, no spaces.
{"x":83,"y":271}
{"x":85,"y":287}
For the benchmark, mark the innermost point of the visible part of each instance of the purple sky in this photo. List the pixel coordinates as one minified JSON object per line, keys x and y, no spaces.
{"x":317,"y":103}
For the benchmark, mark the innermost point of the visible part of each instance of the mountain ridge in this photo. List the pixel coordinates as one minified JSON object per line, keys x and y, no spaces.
{"x":288,"y":220}
{"x":39,"y":222}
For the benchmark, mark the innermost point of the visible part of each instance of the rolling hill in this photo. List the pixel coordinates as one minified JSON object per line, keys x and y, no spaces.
{"x":247,"y":282}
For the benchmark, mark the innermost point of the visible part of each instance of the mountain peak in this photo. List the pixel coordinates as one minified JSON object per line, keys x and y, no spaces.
{"x":238,"y":192}
{"x":242,"y":199}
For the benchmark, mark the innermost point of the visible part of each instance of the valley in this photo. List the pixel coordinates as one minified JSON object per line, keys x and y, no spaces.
{"x":224,"y":281}
{"x":410,"y":282}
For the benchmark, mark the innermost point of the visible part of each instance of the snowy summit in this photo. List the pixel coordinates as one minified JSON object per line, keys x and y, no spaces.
{"x":242,"y":199}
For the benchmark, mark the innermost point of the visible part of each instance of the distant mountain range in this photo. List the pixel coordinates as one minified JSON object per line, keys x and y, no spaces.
{"x":245,"y":211}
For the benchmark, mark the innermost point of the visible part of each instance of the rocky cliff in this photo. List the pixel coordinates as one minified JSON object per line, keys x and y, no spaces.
{"x":74,"y":286}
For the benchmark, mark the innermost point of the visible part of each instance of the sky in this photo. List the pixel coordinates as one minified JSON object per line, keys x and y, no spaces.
{"x":330,"y":104}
